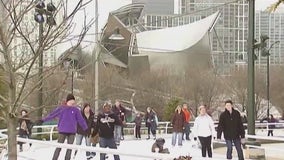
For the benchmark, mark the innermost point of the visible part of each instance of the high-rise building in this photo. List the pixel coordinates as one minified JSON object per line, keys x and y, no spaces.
{"x":229,"y":36}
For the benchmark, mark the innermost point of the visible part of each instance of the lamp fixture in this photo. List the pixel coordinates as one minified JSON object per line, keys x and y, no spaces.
{"x":38,"y":17}
{"x":40,"y":11}
{"x":50,"y":7}
{"x":116,"y":35}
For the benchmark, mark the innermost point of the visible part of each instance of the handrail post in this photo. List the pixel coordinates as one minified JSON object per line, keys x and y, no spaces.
{"x":167,"y":124}
{"x":51,"y":133}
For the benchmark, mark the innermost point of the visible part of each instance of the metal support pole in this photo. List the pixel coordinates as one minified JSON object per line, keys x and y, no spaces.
{"x":40,"y":71}
{"x":95,"y":67}
{"x":72,"y":77}
{"x":251,"y":96}
{"x":267,"y":85}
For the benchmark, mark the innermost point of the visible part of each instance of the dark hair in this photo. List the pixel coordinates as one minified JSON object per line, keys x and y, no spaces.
{"x":86,"y":105}
{"x":228,"y":101}
{"x":69,"y":97}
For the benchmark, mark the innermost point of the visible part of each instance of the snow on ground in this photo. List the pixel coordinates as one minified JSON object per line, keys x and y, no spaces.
{"x":141,"y":147}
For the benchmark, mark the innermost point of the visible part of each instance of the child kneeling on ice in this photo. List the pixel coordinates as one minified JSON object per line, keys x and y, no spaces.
{"x":158,"y":146}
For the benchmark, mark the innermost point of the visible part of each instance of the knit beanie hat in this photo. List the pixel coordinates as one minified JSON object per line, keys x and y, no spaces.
{"x":70,"y":97}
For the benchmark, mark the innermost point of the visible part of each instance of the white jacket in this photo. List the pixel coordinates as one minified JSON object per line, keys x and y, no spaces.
{"x":203,"y":126}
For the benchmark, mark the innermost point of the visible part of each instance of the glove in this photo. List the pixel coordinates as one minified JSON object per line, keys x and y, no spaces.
{"x":195,"y":138}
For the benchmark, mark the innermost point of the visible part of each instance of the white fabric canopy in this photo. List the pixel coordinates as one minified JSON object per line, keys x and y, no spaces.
{"x":175,"y":38}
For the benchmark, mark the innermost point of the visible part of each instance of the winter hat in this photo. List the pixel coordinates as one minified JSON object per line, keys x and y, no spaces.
{"x":70,"y":97}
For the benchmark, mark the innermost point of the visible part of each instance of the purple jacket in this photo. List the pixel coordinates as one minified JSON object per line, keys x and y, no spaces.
{"x":68,"y":118}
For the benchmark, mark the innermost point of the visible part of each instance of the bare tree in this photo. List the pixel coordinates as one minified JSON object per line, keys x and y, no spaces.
{"x":236,"y":85}
{"x":201,"y":86}
{"x":20,"y":50}
{"x":275,"y":5}
{"x":277,"y":87}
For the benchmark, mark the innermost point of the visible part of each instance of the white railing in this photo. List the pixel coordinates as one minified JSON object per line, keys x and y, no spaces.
{"x":98,"y":149}
{"x":51,"y":129}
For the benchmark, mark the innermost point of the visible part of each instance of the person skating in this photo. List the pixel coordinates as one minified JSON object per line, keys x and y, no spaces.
{"x":68,"y":116}
{"x":138,"y":122}
{"x":178,"y":121}
{"x":119,"y":111}
{"x":25,"y":127}
{"x":204,"y":129}
{"x":230,"y":124}
{"x":89,"y":117}
{"x":187,"y":115}
{"x":106,"y":121}
{"x":151,"y":122}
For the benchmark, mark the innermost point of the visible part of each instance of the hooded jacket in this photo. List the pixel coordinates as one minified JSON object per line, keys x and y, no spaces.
{"x":68,"y":117}
{"x":105,"y":124}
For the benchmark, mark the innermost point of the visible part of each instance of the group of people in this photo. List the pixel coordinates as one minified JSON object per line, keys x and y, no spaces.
{"x":74,"y":122}
{"x":81,"y":123}
{"x":230,"y":124}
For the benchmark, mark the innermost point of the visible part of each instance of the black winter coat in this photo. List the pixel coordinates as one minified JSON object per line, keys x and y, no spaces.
{"x":231,"y":125}
{"x":90,"y":123}
{"x":105,"y":124}
{"x":25,"y":126}
{"x":120,"y":113}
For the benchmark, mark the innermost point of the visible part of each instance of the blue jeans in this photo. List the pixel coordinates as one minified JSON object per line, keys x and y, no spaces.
{"x":79,"y":138}
{"x":117,"y":134}
{"x":107,"y":142}
{"x":186,"y":131}
{"x":237,"y":143}
{"x":177,"y":136}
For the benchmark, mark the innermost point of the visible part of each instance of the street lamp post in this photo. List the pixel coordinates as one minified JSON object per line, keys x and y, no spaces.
{"x":266,"y":53}
{"x":251,"y":58}
{"x":95,"y":64}
{"x":96,"y":57}
{"x":72,"y":77}
{"x":39,"y":18}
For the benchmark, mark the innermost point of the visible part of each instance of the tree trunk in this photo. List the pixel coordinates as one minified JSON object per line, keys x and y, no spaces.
{"x":12,"y":137}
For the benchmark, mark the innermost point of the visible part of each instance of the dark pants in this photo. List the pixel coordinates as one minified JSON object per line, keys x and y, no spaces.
{"x":149,"y":130}
{"x":23,"y":135}
{"x":137,"y":131}
{"x":237,"y":143}
{"x":61,"y":138}
{"x":186,"y":131}
{"x":107,"y":142}
{"x":206,"y":145}
{"x":270,"y":132}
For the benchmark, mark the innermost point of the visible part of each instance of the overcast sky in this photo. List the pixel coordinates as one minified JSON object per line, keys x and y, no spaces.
{"x":106,"y":6}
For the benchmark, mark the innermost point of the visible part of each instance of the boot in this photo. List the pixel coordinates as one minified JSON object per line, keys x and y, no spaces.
{"x":148,"y":137}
